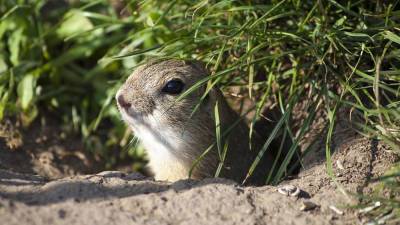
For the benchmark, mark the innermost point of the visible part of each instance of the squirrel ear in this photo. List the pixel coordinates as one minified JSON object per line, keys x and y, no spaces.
{"x":198,"y":65}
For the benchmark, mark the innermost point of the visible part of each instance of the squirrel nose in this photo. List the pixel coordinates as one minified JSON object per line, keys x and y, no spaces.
{"x":122,"y":102}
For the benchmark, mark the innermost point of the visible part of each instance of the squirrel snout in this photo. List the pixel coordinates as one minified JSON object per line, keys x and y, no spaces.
{"x":122,"y":102}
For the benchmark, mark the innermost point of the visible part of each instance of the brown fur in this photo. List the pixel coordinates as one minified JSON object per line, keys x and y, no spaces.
{"x":173,"y":139}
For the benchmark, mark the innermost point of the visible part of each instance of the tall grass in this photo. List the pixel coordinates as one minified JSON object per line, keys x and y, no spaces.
{"x":69,"y":58}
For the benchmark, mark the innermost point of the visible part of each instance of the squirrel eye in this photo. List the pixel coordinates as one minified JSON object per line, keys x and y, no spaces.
{"x":173,"y":87}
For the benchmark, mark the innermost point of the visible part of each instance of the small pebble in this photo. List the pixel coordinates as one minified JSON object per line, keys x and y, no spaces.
{"x":339,"y":165}
{"x":62,"y":213}
{"x":289,"y":190}
{"x":308,"y":205}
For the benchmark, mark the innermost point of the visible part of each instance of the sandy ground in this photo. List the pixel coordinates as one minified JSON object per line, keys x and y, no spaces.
{"x":130,"y":198}
{"x":120,"y":198}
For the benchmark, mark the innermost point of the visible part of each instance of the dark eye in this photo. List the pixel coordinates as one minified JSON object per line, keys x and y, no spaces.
{"x":173,"y":87}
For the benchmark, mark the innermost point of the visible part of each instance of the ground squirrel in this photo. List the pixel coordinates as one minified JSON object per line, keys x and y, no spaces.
{"x":172,"y":137}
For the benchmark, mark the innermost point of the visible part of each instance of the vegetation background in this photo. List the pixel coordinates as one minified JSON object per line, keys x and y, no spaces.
{"x":67,"y":59}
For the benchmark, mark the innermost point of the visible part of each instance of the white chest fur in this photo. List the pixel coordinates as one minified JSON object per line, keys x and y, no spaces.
{"x":162,"y":145}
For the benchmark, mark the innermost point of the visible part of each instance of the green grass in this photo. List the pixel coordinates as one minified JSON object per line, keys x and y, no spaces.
{"x":345,"y":54}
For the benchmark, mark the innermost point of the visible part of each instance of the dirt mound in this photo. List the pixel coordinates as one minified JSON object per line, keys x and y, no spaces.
{"x":123,"y":198}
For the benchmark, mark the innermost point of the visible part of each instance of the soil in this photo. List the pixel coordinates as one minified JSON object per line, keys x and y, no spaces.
{"x":44,"y":149}
{"x":113,"y":197}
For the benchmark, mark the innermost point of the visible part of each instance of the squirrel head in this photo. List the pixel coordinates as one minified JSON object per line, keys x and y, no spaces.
{"x":151,"y":93}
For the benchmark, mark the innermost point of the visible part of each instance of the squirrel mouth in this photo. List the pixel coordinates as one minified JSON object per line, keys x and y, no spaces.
{"x":129,"y":113}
